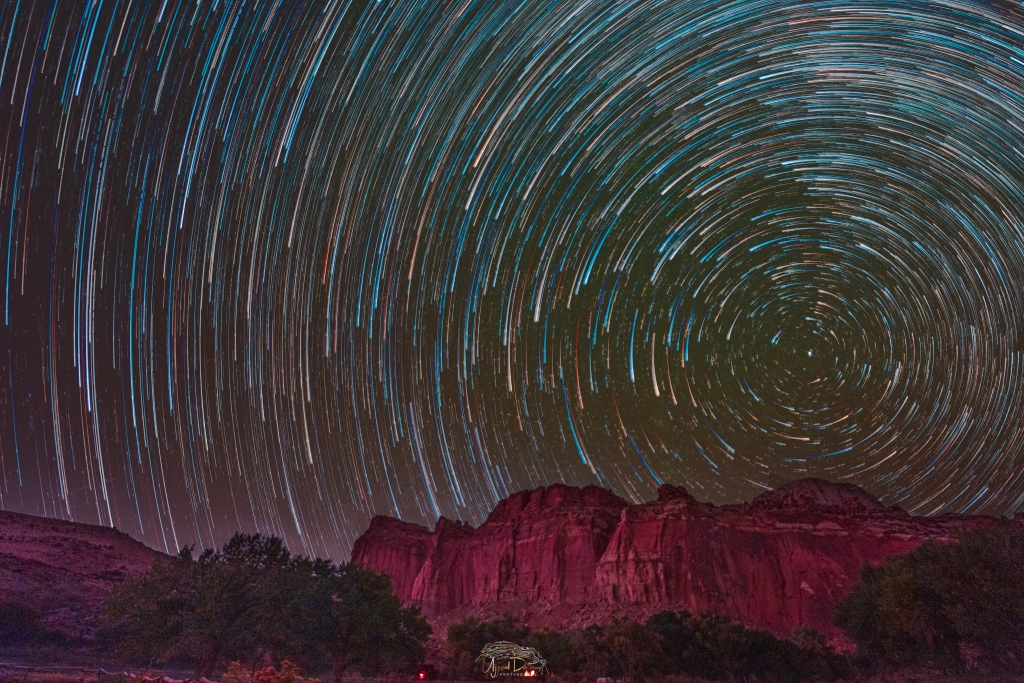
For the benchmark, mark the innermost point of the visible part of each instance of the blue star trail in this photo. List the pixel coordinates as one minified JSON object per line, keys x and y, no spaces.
{"x":281,"y":266}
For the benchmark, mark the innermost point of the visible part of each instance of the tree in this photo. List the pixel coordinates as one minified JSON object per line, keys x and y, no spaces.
{"x":597,"y":661}
{"x":983,"y":586}
{"x":559,"y":649}
{"x":680,"y":653}
{"x":467,"y":638}
{"x":146,"y":617}
{"x":247,"y":599}
{"x":352,"y":614}
{"x":224,"y":605}
{"x":634,"y":648}
{"x":253,"y":601}
{"x":939,"y":601}
{"x":816,"y":661}
{"x":721,"y":643}
{"x":895,"y":614}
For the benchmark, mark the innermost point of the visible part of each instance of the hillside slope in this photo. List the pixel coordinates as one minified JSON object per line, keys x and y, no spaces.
{"x":66,"y":570}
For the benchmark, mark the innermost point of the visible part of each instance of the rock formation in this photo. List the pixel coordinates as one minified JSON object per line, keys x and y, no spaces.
{"x":563,"y":556}
{"x":65,"y":571}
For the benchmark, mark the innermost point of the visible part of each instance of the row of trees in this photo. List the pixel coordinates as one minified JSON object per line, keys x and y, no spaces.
{"x":945,"y":605}
{"x":667,"y":644}
{"x":254,"y":602}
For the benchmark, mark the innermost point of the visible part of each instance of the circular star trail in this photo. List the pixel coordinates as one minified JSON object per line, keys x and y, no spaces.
{"x":280,"y":266}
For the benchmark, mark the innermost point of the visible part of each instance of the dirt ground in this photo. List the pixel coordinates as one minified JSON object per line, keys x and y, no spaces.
{"x":40,"y":673}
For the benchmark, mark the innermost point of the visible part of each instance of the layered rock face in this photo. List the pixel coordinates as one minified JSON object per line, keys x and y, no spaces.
{"x":64,"y":570}
{"x":536,"y":545}
{"x":562,"y":556}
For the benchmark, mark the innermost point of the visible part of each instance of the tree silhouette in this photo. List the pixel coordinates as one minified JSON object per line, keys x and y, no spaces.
{"x":253,"y":600}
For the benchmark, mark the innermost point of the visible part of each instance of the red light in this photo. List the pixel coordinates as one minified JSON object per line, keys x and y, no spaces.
{"x":422,"y":675}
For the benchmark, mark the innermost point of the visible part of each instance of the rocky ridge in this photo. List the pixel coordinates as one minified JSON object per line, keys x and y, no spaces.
{"x":564,"y":557}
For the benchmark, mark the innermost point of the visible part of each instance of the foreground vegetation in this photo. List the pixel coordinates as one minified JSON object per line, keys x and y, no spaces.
{"x":253,"y":613}
{"x":954,"y":607}
{"x":253,"y":603}
{"x":669,"y":644}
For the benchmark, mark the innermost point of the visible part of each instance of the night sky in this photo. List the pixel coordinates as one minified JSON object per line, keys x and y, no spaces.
{"x":280,"y":266}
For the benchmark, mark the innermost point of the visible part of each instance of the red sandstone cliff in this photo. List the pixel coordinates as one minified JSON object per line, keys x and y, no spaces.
{"x":65,"y":571}
{"x":562,"y":556}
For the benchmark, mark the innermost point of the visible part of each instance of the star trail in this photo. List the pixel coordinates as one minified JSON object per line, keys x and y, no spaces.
{"x":281,"y":266}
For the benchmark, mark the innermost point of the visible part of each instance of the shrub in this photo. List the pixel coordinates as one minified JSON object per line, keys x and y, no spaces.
{"x":288,"y":673}
{"x":21,"y":625}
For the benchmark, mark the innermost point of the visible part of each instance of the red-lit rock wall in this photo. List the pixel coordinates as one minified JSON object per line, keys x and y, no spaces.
{"x":551,"y":555}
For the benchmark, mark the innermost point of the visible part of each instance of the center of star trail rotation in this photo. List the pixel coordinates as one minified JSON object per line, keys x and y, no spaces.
{"x":283,"y":266}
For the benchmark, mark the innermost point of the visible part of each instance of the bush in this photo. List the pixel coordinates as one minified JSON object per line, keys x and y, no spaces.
{"x":20,"y":625}
{"x":288,"y":673}
{"x":817,"y":661}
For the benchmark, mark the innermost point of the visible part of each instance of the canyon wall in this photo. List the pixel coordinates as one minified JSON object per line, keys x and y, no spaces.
{"x":565,"y":557}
